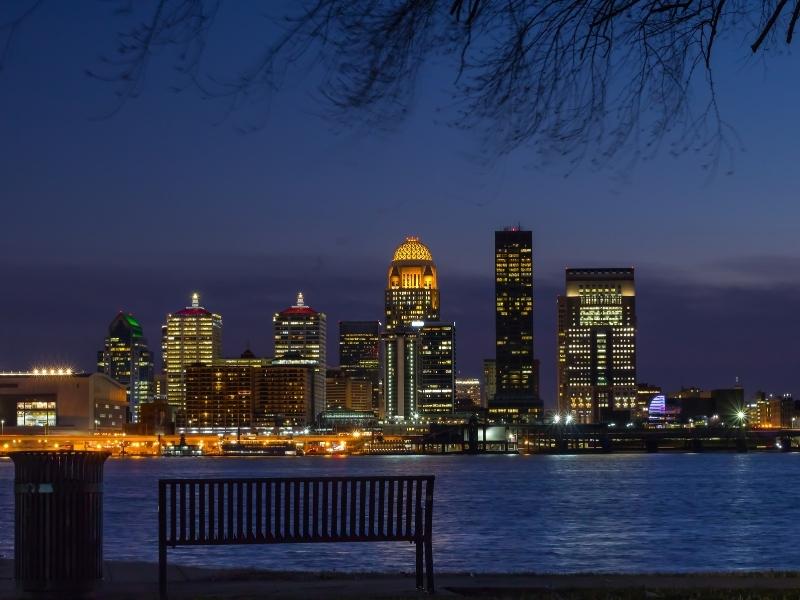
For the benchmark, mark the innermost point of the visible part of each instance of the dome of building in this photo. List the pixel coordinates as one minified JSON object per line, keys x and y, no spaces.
{"x":412,"y":266}
{"x":412,"y":249}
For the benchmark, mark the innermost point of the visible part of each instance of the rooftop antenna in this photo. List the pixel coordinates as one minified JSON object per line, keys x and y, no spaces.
{"x":195,"y":300}
{"x":300,"y":299}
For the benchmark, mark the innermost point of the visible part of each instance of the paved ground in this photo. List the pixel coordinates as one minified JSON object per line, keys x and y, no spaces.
{"x":129,"y":580}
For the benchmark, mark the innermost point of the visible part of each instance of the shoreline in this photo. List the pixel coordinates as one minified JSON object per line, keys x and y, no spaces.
{"x":131,"y":580}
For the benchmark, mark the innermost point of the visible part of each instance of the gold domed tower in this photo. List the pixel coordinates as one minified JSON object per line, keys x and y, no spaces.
{"x":412,"y":289}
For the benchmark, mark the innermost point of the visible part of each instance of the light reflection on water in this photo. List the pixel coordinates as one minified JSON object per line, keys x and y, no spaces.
{"x":612,"y":513}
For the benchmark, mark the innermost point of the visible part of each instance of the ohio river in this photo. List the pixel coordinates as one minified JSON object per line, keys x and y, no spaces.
{"x":599,"y":513}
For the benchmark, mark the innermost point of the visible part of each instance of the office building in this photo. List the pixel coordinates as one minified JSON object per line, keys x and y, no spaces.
{"x":220,"y":396}
{"x":346,"y":391}
{"x":284,"y":394}
{"x":597,"y":345}
{"x":516,"y":369}
{"x":126,"y":358}
{"x":190,"y":336}
{"x":400,"y":373}
{"x":60,"y":401}
{"x":489,"y":386}
{"x":436,"y":359}
{"x":412,"y":291}
{"x":359,"y":353}
{"x":300,"y":333}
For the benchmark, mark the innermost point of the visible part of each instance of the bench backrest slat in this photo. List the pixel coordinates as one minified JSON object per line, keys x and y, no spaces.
{"x":271,"y":510}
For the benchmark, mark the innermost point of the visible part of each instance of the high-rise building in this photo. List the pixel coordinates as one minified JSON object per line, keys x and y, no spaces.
{"x":401,"y":375}
{"x":489,"y":387}
{"x":300,"y":332}
{"x":284,"y":394}
{"x":359,"y":353}
{"x":219,"y":397}
{"x":436,"y":351}
{"x":517,"y":377}
{"x":126,"y":358}
{"x":412,"y":301}
{"x":597,"y":345}
{"x":412,"y":291}
{"x":347,"y":392}
{"x":190,"y":336}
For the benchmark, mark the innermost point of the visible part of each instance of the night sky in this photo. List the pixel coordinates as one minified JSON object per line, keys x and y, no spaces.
{"x":136,"y":210}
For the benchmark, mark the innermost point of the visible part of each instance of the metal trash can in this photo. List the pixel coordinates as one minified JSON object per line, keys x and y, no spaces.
{"x":58,"y":527}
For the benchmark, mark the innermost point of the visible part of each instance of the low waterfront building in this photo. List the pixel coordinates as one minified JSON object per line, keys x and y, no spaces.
{"x":347,"y":420}
{"x":709,"y":406}
{"x":58,"y":400}
{"x":770,"y":411}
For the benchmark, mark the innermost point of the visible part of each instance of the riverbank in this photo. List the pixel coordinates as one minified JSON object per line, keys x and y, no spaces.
{"x":135,"y":580}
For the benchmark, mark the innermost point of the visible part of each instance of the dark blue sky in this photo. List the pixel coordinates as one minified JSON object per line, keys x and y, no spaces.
{"x":137,"y":210}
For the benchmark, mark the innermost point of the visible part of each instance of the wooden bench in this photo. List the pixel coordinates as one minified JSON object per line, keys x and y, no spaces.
{"x":205,"y":512}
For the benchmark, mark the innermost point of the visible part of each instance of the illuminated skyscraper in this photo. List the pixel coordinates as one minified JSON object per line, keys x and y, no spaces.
{"x":300,"y":332}
{"x":401,"y":374}
{"x":412,"y":301}
{"x":517,"y":377}
{"x":597,"y":345}
{"x":412,"y":291}
{"x":127,"y":359}
{"x":359,"y":353}
{"x":190,"y":336}
{"x":436,"y":351}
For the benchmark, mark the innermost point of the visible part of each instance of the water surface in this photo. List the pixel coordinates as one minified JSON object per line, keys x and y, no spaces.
{"x":600,"y":513}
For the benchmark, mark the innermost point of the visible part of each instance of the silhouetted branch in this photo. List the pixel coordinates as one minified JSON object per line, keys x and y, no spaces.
{"x":578,"y":78}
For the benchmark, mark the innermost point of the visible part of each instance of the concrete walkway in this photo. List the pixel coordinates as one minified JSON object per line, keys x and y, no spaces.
{"x":135,"y":580}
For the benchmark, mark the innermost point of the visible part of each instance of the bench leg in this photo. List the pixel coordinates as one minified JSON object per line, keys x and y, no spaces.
{"x":419,"y":565}
{"x":162,"y":571}
{"x":429,"y":565}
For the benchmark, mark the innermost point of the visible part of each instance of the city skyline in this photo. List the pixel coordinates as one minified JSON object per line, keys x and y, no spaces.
{"x":475,"y":342}
{"x":280,"y":209}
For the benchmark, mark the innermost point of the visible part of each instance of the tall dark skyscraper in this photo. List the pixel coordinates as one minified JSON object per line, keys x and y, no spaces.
{"x":436,"y":350}
{"x":597,"y":345}
{"x":359,"y":353}
{"x":517,"y":383}
{"x":127,"y":359}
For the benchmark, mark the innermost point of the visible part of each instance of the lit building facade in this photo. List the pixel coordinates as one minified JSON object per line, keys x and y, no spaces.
{"x":359,"y":353}
{"x":220,"y":396}
{"x":468,"y":393}
{"x":284,"y":394}
{"x":489,"y":387}
{"x":126,"y":358}
{"x":190,"y":336}
{"x":300,"y":331}
{"x":412,"y":291}
{"x":436,"y":352}
{"x":60,"y":401}
{"x":345,"y":391}
{"x":400,"y":373}
{"x":597,"y":345}
{"x":516,"y":370}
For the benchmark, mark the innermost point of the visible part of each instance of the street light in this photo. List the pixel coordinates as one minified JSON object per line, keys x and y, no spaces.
{"x":2,"y":426}
{"x":568,"y":420}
